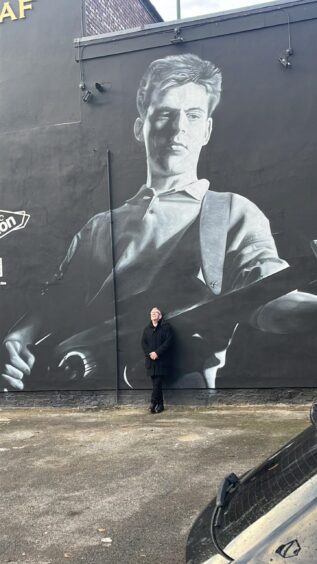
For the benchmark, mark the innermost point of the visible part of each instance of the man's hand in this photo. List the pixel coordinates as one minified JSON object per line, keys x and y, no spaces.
{"x":153,"y":355}
{"x":16,"y":362}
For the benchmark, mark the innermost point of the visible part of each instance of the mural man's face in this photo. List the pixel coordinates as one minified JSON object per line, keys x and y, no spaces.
{"x":175,"y":129}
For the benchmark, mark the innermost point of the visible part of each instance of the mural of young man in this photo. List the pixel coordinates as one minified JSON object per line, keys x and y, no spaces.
{"x":176,"y":242}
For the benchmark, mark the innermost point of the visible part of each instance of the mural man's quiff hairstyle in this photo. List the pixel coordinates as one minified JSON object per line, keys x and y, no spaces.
{"x":176,"y":70}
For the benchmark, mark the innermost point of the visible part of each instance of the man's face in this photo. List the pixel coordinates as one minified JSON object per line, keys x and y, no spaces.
{"x":175,"y":128}
{"x":155,"y":315}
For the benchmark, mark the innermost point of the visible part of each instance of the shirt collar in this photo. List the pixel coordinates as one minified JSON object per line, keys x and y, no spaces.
{"x":196,"y":190}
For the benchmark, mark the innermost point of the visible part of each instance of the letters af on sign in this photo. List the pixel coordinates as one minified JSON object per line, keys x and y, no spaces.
{"x":12,"y":11}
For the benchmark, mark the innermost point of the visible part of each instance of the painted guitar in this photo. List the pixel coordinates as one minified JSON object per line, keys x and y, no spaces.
{"x":89,"y":358}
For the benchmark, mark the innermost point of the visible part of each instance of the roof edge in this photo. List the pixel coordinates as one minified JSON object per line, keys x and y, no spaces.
{"x":275,"y":5}
{"x":152,"y":10}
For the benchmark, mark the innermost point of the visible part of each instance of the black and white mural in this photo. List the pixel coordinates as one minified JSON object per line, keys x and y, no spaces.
{"x":240,"y":298}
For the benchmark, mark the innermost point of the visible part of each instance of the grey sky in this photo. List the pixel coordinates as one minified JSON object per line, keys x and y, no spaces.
{"x":191,"y":8}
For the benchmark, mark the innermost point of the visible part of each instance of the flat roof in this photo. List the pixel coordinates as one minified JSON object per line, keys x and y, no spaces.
{"x":252,"y":18}
{"x":186,"y":22}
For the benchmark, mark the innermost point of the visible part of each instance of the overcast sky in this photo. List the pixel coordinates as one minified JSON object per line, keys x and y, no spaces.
{"x":191,"y":8}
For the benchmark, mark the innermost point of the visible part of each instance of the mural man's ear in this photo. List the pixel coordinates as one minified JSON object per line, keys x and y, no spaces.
{"x":138,"y":130}
{"x":208,"y":130}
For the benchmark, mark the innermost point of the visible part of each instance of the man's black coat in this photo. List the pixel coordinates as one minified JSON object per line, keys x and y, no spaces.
{"x":158,"y":339}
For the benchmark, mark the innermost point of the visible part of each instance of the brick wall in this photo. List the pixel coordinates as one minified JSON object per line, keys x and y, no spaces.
{"x":103,"y":16}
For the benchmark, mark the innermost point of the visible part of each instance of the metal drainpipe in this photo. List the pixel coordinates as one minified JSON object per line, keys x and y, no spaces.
{"x":83,"y":18}
{"x":178,"y":9}
{"x":114,"y":285}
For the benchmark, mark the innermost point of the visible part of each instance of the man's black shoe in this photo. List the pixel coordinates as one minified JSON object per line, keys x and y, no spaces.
{"x":152,"y":408}
{"x":159,"y":408}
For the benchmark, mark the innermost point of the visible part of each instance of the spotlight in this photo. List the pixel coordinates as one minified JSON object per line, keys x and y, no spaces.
{"x":284,"y":58}
{"x":178,"y":38}
{"x":99,"y":87}
{"x":87,"y":96}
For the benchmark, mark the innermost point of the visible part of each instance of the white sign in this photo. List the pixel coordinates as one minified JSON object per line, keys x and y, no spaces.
{"x":1,"y":273}
{"x":12,"y":221}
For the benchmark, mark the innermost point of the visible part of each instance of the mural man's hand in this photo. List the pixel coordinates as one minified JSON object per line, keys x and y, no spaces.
{"x":16,"y":362}
{"x":153,"y":355}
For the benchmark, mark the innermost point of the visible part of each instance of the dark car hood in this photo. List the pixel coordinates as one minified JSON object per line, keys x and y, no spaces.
{"x":273,"y":505}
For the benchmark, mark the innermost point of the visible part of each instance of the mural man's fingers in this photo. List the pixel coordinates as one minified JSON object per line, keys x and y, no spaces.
{"x":16,"y":384}
{"x":16,"y":353}
{"x":12,"y":372}
{"x":28,"y":357}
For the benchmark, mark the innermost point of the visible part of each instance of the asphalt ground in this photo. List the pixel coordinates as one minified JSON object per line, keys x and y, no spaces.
{"x":119,"y":485}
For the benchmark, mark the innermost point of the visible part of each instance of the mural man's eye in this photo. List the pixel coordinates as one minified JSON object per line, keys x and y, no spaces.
{"x":194,"y":116}
{"x":163,"y":115}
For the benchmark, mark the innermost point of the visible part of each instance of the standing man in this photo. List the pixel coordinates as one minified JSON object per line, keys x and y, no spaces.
{"x":157,"y":343}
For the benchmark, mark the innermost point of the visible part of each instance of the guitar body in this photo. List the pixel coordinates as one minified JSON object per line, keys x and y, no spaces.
{"x":109,"y":355}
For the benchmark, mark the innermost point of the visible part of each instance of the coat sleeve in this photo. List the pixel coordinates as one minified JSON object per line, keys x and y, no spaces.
{"x":167,"y":343}
{"x":145,"y":344}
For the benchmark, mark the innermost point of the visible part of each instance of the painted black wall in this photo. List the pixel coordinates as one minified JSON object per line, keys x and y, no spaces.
{"x":51,"y":167}
{"x":263,"y":146}
{"x":53,"y":156}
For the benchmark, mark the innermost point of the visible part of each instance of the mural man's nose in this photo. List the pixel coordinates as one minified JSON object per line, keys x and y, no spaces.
{"x":180,"y":121}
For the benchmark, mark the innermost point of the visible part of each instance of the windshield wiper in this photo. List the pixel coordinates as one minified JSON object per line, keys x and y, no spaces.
{"x":226,"y":487}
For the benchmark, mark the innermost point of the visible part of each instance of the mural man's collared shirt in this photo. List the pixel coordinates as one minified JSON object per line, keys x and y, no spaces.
{"x":147,"y":231}
{"x":155,"y":234}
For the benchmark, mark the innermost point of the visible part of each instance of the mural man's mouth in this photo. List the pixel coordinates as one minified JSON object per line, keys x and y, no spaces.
{"x":175,"y":147}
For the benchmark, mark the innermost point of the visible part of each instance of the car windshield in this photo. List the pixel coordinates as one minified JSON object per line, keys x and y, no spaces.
{"x":264,"y":487}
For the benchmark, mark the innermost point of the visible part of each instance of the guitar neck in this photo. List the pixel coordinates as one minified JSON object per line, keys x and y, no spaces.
{"x":239,"y":304}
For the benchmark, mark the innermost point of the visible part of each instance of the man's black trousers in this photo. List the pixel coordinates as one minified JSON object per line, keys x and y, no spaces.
{"x":157,"y":394}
